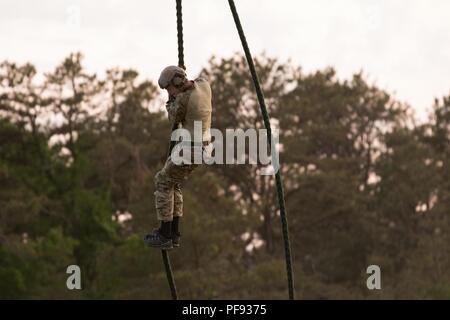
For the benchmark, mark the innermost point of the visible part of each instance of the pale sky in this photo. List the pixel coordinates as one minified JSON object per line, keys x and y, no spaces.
{"x":402,"y":45}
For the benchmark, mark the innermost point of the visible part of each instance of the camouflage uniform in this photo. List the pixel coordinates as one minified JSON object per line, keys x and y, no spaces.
{"x":187,"y":107}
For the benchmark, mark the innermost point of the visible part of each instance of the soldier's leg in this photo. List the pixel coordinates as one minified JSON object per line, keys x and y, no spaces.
{"x":177,"y":214}
{"x":177,"y":200}
{"x":168,"y":202}
{"x":162,"y":237}
{"x":164,"y":194}
{"x":181,"y":175}
{"x":168,"y":195}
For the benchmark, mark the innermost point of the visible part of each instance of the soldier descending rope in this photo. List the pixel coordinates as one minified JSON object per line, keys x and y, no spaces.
{"x":189,"y":102}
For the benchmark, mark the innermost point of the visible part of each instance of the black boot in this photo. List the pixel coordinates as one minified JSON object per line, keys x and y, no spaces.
{"x":160,"y":238}
{"x":175,"y":232}
{"x":166,"y":229}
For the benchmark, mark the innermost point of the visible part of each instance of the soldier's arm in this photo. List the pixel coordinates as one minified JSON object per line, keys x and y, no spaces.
{"x":169,"y":106}
{"x":177,"y":107}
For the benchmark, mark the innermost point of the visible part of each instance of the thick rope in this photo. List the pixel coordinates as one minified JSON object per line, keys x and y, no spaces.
{"x":180,"y":58}
{"x":164,"y":253}
{"x":180,"y":35}
{"x":173,"y":288}
{"x":279,"y":186}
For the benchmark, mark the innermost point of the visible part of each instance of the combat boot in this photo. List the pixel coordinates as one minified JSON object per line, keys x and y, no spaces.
{"x":176,"y":239}
{"x":157,"y":240}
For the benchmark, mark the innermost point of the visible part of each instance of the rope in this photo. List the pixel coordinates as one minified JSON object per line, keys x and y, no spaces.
{"x":170,"y":280}
{"x":164,"y":253}
{"x":279,"y":186}
{"x":180,"y":59}
{"x":180,"y":35}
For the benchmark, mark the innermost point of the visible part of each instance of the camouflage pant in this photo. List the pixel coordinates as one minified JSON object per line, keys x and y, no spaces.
{"x":168,"y":194}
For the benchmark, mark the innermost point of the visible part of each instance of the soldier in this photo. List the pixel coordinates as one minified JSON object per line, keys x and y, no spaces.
{"x":189,"y":101}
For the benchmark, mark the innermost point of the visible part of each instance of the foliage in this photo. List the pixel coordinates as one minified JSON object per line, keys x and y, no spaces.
{"x":364,"y":185}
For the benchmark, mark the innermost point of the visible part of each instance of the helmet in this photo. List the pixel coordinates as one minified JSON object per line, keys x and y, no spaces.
{"x":171,"y":75}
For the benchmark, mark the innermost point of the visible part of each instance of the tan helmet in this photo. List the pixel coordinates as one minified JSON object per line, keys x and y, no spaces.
{"x":171,"y":74}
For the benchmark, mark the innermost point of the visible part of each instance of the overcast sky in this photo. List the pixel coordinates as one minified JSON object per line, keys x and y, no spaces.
{"x":402,"y":45}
